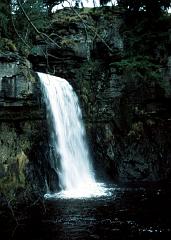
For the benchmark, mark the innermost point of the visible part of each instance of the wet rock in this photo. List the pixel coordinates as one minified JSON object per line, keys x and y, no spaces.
{"x":128,"y":118}
{"x":22,"y":115}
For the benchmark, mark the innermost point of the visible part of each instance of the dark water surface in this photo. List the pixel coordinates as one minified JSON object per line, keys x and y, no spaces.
{"x":129,"y":213}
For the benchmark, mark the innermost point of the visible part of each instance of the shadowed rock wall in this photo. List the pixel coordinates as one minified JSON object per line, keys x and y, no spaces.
{"x":128,"y":119}
{"x":25,"y":169}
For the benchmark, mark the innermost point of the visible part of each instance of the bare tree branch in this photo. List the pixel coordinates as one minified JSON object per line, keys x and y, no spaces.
{"x":18,"y":33}
{"x":34,"y":27}
{"x":90,"y":27}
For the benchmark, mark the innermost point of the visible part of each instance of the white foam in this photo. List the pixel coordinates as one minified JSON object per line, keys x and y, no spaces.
{"x":84,"y":192}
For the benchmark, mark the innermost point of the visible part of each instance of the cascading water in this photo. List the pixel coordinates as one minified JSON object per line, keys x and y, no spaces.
{"x":76,"y":176}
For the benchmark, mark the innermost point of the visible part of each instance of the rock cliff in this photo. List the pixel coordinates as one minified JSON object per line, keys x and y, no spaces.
{"x":24,"y":163}
{"x":127,"y":117}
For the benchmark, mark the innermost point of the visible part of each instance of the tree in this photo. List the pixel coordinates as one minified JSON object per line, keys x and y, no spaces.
{"x":28,"y":16}
{"x":5,"y":13}
{"x":149,"y":6}
{"x":51,"y":3}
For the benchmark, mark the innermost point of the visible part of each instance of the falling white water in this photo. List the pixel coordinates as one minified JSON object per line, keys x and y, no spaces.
{"x":76,"y":174}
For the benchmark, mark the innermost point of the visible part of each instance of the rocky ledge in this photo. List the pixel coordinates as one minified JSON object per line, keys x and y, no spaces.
{"x":128,"y":117}
{"x":25,"y":169}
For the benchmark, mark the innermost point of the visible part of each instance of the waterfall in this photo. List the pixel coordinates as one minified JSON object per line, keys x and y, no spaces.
{"x":75,"y":171}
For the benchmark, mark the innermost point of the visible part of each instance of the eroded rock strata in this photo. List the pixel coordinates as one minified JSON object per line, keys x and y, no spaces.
{"x":128,"y":118}
{"x":25,"y":169}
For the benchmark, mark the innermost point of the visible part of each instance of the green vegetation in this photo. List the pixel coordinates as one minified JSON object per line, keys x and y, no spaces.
{"x":25,"y":20}
{"x":7,"y":45}
{"x":21,"y":22}
{"x":147,"y":36}
{"x":145,"y":29}
{"x":146,"y":44}
{"x":140,"y":66}
{"x":4,"y":17}
{"x":152,"y":7}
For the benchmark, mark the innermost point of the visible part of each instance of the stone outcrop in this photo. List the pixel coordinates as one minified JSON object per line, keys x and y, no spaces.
{"x":25,"y":169}
{"x":128,"y":119}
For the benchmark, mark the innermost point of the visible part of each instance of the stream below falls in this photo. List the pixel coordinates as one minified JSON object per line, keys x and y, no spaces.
{"x":128,"y":213}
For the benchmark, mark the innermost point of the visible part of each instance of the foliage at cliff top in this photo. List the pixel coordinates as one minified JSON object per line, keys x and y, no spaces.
{"x":146,"y":35}
{"x":145,"y":29}
{"x":19,"y":12}
{"x":149,"y":6}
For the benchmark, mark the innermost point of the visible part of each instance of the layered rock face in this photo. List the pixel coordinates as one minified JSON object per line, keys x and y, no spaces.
{"x":24,"y":163}
{"x":127,"y":118}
